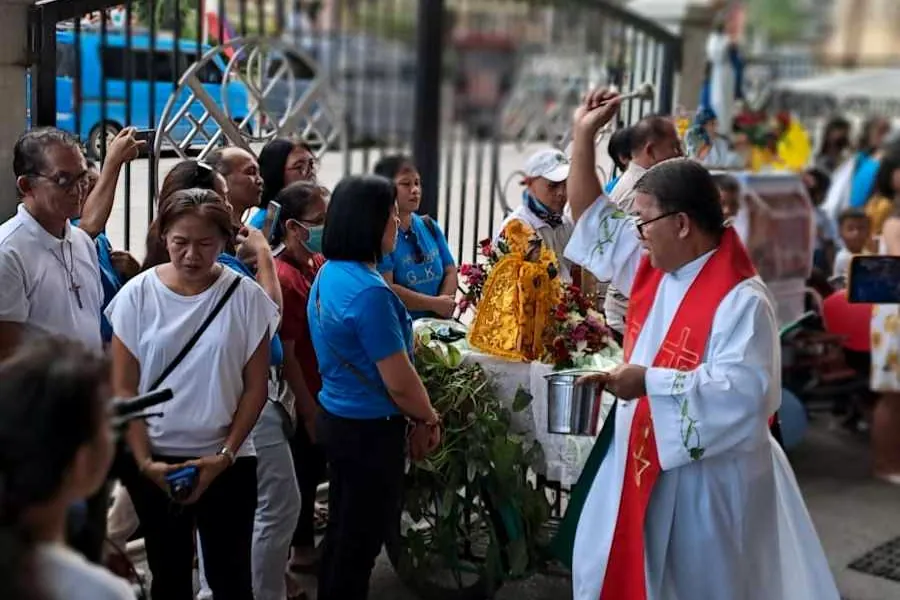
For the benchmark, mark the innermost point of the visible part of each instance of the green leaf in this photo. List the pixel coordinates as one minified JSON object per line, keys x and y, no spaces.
{"x":522,"y":400}
{"x":454,"y":356}
{"x":471,"y":472}
{"x":696,"y":453}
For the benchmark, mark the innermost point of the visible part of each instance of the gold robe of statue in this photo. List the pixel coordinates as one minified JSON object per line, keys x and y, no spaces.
{"x":521,"y":291}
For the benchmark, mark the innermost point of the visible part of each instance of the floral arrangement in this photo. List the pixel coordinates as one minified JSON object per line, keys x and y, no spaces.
{"x":474,"y":275}
{"x":575,"y":332}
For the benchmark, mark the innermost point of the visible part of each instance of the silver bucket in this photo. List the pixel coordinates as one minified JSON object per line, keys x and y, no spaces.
{"x":573,"y":408}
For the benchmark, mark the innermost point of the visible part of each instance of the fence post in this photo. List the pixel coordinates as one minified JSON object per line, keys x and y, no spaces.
{"x":43,"y":69}
{"x":427,"y":131}
{"x":671,"y":60}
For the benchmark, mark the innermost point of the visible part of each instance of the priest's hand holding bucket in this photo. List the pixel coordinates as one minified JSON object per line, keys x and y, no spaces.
{"x":624,"y":381}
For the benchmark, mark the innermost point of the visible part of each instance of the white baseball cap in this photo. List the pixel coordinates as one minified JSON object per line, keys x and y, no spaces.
{"x":551,"y":164}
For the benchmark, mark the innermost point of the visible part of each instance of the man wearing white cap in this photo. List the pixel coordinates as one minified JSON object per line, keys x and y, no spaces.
{"x":544,"y":203}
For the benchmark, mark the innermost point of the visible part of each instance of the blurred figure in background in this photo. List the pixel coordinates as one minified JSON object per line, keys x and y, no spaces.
{"x":887,"y":192}
{"x":835,"y":145}
{"x":56,"y":447}
{"x":619,"y":149}
{"x":855,"y":232}
{"x":281,"y":163}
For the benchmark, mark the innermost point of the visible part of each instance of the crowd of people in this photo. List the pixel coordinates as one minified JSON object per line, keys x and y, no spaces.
{"x":269,"y":387}
{"x":286,"y":338}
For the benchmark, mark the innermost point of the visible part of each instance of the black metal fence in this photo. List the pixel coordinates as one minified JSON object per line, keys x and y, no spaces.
{"x":470,"y":88}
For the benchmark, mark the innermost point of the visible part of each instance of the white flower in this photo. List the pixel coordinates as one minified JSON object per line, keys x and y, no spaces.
{"x":574,"y":318}
{"x":580,"y":347}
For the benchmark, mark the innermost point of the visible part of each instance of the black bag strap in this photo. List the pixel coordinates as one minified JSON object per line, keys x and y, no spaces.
{"x":203,"y":327}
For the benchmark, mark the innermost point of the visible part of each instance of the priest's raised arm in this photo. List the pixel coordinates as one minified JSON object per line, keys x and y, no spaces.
{"x":605,"y":240}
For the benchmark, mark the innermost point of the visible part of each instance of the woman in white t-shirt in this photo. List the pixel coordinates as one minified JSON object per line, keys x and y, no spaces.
{"x":219,"y":387}
{"x":55,"y":450}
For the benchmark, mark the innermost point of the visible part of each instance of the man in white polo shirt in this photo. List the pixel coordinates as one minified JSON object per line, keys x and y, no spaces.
{"x":49,"y":275}
{"x":544,"y":203}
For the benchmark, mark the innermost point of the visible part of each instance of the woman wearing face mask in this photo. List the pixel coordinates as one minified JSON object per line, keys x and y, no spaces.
{"x":300,"y":228}
{"x":421,"y":269}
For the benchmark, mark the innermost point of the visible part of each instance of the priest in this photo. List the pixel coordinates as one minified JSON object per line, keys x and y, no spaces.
{"x":686,"y":496}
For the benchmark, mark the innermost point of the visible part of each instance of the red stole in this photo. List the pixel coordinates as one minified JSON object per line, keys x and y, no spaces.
{"x":682,"y":349}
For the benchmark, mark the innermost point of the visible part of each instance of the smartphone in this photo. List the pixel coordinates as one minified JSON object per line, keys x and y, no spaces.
{"x":182,"y":483}
{"x":874,"y":280}
{"x":145,"y":135}
{"x":273,"y":213}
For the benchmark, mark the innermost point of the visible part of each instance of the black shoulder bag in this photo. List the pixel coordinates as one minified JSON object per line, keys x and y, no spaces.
{"x":196,"y":337}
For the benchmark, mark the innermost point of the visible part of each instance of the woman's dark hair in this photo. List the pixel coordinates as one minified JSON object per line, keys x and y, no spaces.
{"x":358,"y":212}
{"x":821,"y":183}
{"x":682,"y":185}
{"x":205,"y":204}
{"x":390,"y":166}
{"x":295,"y":201}
{"x":188,"y":174}
{"x":620,"y":147}
{"x":836,"y":123}
{"x":884,"y":181}
{"x":51,"y":404}
{"x":272,"y":161}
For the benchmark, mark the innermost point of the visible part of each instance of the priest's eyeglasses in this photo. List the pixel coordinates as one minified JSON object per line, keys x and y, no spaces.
{"x":639,"y":225}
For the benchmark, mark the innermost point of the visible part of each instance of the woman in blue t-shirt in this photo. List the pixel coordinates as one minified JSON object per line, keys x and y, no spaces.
{"x":362,"y":336}
{"x":421,"y":269}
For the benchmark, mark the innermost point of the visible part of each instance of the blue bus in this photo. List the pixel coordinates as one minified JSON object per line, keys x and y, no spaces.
{"x":110,"y":58}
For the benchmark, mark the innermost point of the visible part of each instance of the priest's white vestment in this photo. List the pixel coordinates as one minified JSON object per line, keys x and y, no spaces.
{"x":730,"y":525}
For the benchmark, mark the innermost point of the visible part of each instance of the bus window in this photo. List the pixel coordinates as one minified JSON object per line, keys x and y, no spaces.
{"x":66,"y":64}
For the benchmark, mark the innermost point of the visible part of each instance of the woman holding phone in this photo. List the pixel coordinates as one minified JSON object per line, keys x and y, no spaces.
{"x":202,"y":330}
{"x":362,"y":336}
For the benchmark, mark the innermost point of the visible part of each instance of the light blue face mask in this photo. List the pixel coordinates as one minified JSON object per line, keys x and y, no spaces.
{"x":314,"y":243}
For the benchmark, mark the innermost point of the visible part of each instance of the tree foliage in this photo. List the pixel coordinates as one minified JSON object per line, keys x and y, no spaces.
{"x":779,"y":20}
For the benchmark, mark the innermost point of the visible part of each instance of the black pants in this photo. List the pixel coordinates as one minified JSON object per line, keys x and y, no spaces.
{"x":309,"y":463}
{"x":223,"y":515}
{"x":366,"y":460}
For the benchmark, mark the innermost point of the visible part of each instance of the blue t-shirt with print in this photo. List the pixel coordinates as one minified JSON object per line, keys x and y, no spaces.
{"x":276,"y":351}
{"x":355,"y":319}
{"x":426,"y":276}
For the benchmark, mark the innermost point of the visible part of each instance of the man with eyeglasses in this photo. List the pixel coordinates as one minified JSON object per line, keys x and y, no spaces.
{"x":49,"y":274}
{"x":686,"y":494}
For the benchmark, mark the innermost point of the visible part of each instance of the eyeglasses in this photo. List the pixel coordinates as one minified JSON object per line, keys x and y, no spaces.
{"x":411,"y":237}
{"x":639,"y":225}
{"x":68,"y":183}
{"x":304,"y":166}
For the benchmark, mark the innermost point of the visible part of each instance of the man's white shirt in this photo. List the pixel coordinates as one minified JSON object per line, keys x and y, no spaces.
{"x":35,"y":285}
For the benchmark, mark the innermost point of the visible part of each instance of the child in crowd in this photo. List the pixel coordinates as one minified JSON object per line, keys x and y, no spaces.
{"x":855,"y":231}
